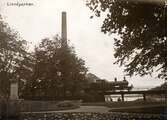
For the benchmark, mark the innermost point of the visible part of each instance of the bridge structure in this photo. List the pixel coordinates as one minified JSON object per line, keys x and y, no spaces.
{"x":144,"y":93}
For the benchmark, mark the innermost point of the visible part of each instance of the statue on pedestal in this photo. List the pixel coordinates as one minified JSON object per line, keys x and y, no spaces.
{"x":14,"y":89}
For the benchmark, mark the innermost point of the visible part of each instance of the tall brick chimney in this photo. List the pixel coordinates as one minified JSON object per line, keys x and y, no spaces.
{"x":64,"y":30}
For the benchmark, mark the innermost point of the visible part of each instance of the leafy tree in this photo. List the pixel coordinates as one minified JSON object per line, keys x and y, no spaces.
{"x":142,"y":28}
{"x":26,"y":73}
{"x":44,"y":78}
{"x":12,"y":54}
{"x":57,"y":71}
{"x":73,"y":70}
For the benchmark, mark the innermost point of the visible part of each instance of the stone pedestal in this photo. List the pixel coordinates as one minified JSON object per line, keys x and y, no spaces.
{"x":13,"y":108}
{"x":12,"y":104}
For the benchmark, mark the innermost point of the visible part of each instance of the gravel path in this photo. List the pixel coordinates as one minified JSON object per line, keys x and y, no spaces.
{"x":90,"y":116}
{"x":100,"y":109}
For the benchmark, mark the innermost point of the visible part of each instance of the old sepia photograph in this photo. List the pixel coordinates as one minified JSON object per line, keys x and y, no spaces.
{"x":83,"y":59}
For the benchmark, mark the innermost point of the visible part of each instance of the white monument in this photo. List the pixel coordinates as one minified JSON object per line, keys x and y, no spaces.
{"x":14,"y":90}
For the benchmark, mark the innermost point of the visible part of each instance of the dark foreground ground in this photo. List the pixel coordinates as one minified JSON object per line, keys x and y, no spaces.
{"x":85,"y":113}
{"x":100,"y":111}
{"x":91,"y":116}
{"x":150,"y":112}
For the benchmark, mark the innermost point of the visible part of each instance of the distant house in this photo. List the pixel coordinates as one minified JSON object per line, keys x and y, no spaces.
{"x":91,"y":78}
{"x":104,"y":85}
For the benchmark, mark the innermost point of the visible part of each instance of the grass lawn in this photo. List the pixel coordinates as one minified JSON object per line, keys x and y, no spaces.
{"x":142,"y":109}
{"x":134,"y":106}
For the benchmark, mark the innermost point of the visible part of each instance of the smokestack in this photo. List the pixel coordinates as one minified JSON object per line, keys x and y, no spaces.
{"x":64,"y":30}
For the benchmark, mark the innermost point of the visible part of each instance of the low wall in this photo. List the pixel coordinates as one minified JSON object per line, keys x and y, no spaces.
{"x":9,"y":108}
{"x":37,"y":105}
{"x":90,"y":116}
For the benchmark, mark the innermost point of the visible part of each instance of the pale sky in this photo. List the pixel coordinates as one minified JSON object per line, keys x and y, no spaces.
{"x":43,"y":19}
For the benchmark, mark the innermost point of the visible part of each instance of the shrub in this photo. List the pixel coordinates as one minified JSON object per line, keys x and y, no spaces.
{"x":3,"y":107}
{"x":9,"y":108}
{"x":67,"y":104}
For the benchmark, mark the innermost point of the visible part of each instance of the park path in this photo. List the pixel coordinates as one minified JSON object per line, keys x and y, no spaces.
{"x":100,"y":109}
